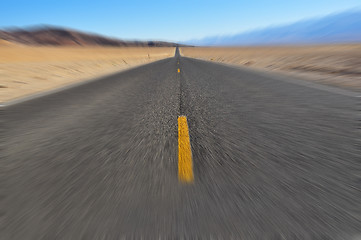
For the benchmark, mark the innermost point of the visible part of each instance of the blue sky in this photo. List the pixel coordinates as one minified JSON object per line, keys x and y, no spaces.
{"x":175,"y":20}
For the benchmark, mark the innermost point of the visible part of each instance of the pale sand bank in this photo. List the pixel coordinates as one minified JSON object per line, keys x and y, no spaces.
{"x":28,"y":70}
{"x":337,"y":65}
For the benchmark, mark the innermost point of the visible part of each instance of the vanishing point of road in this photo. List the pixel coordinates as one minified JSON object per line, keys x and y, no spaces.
{"x":183,"y":149}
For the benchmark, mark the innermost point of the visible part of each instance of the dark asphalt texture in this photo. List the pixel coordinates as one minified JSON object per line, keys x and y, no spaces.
{"x":272,"y":159}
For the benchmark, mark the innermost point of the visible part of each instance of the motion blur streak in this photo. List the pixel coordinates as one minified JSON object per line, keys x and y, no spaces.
{"x":271,"y":159}
{"x":185,"y":165}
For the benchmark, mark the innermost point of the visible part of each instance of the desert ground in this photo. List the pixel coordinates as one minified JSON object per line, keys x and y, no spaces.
{"x":337,"y":65}
{"x":26,"y":70}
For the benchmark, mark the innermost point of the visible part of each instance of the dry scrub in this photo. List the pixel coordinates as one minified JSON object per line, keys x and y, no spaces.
{"x":338,"y":65}
{"x":27,"y":70}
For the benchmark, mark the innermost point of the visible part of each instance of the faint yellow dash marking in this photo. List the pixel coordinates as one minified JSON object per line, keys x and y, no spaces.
{"x":178,"y":70}
{"x":185,"y":165}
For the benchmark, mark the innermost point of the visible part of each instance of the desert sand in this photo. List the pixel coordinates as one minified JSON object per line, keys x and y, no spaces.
{"x":337,"y":65}
{"x":27,"y":70}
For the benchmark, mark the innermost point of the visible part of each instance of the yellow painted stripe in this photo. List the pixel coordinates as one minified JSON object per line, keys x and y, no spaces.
{"x":178,"y":70}
{"x":185,"y":165}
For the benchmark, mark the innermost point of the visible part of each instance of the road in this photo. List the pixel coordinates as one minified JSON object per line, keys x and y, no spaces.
{"x":272,"y":158}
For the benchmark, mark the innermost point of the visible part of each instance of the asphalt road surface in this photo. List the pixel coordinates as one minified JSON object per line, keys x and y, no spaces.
{"x":273,"y":158}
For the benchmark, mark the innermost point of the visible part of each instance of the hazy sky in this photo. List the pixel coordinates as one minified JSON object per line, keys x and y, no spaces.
{"x":165,"y":19}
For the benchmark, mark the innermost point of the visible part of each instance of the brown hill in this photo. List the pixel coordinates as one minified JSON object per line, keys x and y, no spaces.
{"x":52,"y":36}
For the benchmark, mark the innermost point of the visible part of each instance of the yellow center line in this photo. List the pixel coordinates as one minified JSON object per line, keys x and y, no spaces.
{"x":185,"y":164}
{"x":178,"y":70}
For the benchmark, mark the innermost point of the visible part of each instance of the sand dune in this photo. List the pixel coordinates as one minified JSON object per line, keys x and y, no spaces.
{"x":28,"y":70}
{"x":337,"y":65}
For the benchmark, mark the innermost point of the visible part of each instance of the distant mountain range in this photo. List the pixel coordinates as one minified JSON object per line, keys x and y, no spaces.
{"x":55,"y":36}
{"x":337,"y":28}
